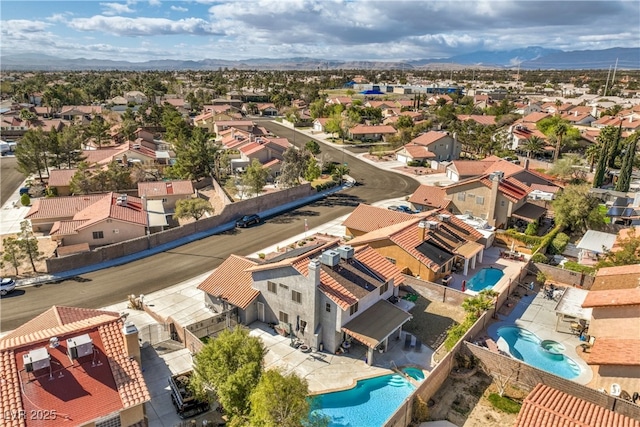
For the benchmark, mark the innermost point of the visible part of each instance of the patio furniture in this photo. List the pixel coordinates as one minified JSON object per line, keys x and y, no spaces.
{"x":407,"y":342}
{"x":418,"y":347}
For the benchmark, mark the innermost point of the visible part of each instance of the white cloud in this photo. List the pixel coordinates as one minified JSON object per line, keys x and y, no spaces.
{"x":122,"y":26}
{"x":116,"y":8}
{"x":22,"y":26}
{"x":155,"y":3}
{"x":179,"y":8}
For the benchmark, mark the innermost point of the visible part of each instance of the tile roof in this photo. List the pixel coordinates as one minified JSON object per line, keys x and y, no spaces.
{"x":416,"y":151}
{"x":612,"y":351}
{"x":368,"y":218}
{"x":535,"y":117}
{"x":365,"y":130}
{"x":429,"y":137}
{"x":483,"y":120}
{"x":431,"y":196}
{"x":61,"y":207}
{"x":470,"y":167}
{"x":620,"y":277}
{"x":504,"y":166}
{"x":612,"y":298}
{"x":232,"y":282}
{"x":164,"y":188}
{"x":11,"y":401}
{"x":60,"y":177}
{"x":108,"y":207}
{"x":546,"y":406}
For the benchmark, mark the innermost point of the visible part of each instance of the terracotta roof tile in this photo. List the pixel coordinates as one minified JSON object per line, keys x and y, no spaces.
{"x":164,"y":188}
{"x":470,"y":167}
{"x":232,"y":282}
{"x":429,"y":137}
{"x":483,"y":120}
{"x":612,"y":298}
{"x":368,"y":218}
{"x":620,"y":277}
{"x":11,"y":396}
{"x":504,"y":166}
{"x":61,"y":207}
{"x":60,"y":177}
{"x":416,"y":151}
{"x":612,"y":351}
{"x":430,"y":196}
{"x":546,"y":406}
{"x":365,"y":130}
{"x":535,"y":117}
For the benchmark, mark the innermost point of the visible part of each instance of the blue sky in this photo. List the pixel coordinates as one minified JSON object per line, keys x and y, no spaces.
{"x":330,"y":29}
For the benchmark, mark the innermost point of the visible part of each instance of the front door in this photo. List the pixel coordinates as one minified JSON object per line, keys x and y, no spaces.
{"x":261,"y":312}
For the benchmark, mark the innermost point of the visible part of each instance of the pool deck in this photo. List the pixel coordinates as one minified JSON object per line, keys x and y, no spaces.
{"x":537,"y":314}
{"x":326,"y":372}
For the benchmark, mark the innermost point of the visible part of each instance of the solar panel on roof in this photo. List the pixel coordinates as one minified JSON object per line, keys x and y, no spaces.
{"x":615,"y":211}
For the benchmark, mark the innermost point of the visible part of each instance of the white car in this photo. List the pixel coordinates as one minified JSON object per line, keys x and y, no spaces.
{"x":6,"y":286}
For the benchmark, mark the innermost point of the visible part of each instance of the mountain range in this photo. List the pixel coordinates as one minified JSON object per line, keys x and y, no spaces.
{"x":530,"y":58}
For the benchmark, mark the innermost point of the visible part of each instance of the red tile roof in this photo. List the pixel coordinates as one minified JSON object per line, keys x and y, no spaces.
{"x":232,"y":282}
{"x":431,"y":196}
{"x":612,"y":298}
{"x":60,"y":177}
{"x":483,"y":120}
{"x":366,"y":130}
{"x":368,"y":218}
{"x":89,"y":388}
{"x":470,"y":167}
{"x":164,"y":188}
{"x":612,"y":351}
{"x":108,"y":207}
{"x":429,"y":138}
{"x":61,"y":207}
{"x":548,"y":407}
{"x":535,"y":117}
{"x":416,"y":151}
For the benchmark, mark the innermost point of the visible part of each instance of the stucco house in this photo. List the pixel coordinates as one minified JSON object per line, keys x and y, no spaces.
{"x":73,"y":366}
{"x":441,"y":144}
{"x":324,"y":294}
{"x":371,"y":133}
{"x":169,"y":192}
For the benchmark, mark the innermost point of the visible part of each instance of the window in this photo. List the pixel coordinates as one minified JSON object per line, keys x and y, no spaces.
{"x":283,"y":317}
{"x":327,"y":307}
{"x":471,"y":195}
{"x":98,"y":235}
{"x":272,"y":287}
{"x":353,"y":309}
{"x":479,"y":200}
{"x":296,"y":296}
{"x":384,"y":288}
{"x":461,"y":196}
{"x":502,"y":203}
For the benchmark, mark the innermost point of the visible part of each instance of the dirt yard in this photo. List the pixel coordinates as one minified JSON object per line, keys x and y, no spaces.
{"x":45,"y":245}
{"x":431,"y":319}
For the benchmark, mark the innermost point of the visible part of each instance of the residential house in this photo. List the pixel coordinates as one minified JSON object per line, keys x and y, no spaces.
{"x":268,"y":151}
{"x":578,"y":119}
{"x":619,"y":277}
{"x":222,"y":125}
{"x":319,"y":124}
{"x":168,"y":192}
{"x":615,"y":330}
{"x":267,"y":109}
{"x":73,"y":366}
{"x":520,"y":132}
{"x":180,"y":104}
{"x":428,"y":197}
{"x":438,"y":99}
{"x":547,"y":406}
{"x":429,"y":245}
{"x":366,"y":218}
{"x":371,"y":133}
{"x":479,"y":119}
{"x":443,"y":146}
{"x":482,"y":101}
{"x":112,"y":218}
{"x":80,"y":113}
{"x":593,"y":245}
{"x":628,"y":124}
{"x":60,"y":180}
{"x":323,"y":293}
{"x":135,"y":97}
{"x":459,"y":170}
{"x":412,"y":153}
{"x":46,"y":211}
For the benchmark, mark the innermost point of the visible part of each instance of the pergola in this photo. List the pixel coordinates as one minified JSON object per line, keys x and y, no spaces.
{"x":570,"y":309}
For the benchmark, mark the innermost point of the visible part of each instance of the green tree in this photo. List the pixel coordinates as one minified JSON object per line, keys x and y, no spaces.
{"x":534,"y":145}
{"x":313,"y":170}
{"x":294,"y":165}
{"x":339,"y":171}
{"x":81,"y":181}
{"x":559,"y":131}
{"x":280,"y":400}
{"x":197,"y":156}
{"x":230,"y":364}
{"x":592,"y":154}
{"x":70,"y":146}
{"x":256,"y":177}
{"x":313,"y":147}
{"x":624,"y":180}
{"x":576,"y":209}
{"x":97,"y":130}
{"x":29,"y":244}
{"x":31,"y":153}
{"x":13,"y":252}
{"x":482,"y":302}
{"x":192,"y":208}
{"x":404,"y":122}
{"x":627,"y":252}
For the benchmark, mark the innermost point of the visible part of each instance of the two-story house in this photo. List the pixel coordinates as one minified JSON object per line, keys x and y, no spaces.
{"x":442,"y":145}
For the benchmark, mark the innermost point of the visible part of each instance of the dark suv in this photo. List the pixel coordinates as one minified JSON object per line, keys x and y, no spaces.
{"x":248,"y":220}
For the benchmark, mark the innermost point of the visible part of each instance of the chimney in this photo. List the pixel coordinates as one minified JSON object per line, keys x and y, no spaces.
{"x":144,"y":203}
{"x":495,"y":178}
{"x":526,"y":164}
{"x":314,"y":271}
{"x":422,"y":227}
{"x":131,"y":343}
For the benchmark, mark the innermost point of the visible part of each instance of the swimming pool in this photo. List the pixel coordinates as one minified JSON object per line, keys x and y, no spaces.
{"x":485,"y":278}
{"x":546,"y":355}
{"x":415,"y":373}
{"x":370,"y":403}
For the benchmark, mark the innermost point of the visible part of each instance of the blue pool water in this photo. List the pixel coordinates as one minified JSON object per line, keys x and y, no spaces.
{"x":526,"y":346}
{"x":370,"y":403}
{"x":415,"y":373}
{"x":485,"y":278}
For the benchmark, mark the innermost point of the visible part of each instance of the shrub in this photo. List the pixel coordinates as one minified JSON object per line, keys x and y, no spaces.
{"x":579,"y":268}
{"x":559,"y":243}
{"x":540,"y":257}
{"x":261,"y":255}
{"x":25,"y":200}
{"x":541,"y":277}
{"x":456,"y":332}
{"x":532,"y":229}
{"x":420,"y":410}
{"x":504,"y":404}
{"x":414,"y":163}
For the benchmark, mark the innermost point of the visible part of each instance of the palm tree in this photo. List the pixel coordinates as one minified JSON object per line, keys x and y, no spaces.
{"x":534,"y":145}
{"x":592,"y":153}
{"x":559,"y":131}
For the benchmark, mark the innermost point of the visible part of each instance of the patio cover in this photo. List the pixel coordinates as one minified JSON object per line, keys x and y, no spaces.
{"x":529,"y":212}
{"x":376,"y":323}
{"x":157,"y":214}
{"x":571,"y":304}
{"x":597,"y":241}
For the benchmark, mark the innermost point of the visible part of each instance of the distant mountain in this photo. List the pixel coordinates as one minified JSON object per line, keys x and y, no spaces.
{"x":534,"y":57}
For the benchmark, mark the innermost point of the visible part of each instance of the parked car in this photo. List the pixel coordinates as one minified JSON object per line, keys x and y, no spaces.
{"x":7,"y":285}
{"x":393,"y":208}
{"x":402,"y":208}
{"x":248,"y":220}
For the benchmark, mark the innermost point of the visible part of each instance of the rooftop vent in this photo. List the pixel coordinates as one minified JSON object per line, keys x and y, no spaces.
{"x":79,"y":346}
{"x":444,"y":217}
{"x":346,"y":251}
{"x":53,"y":342}
{"x":36,"y":359}
{"x":330,"y":258}
{"x":432,"y":225}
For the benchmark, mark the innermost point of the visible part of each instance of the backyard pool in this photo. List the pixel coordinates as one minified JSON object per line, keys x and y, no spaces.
{"x":415,"y":373}
{"x":546,"y":355}
{"x":485,"y":278}
{"x":370,"y":403}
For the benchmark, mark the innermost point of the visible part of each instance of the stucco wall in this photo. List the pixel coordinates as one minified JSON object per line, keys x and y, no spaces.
{"x":113,"y":232}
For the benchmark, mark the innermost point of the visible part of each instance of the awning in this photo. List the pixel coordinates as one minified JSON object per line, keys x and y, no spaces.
{"x":529,"y":212}
{"x":571,"y":304}
{"x":376,"y":323}
{"x":157,"y":214}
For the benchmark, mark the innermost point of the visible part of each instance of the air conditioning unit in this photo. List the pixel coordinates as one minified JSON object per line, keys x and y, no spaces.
{"x":346,"y":251}
{"x":79,"y":346}
{"x":36,"y":359}
{"x":432,"y":225}
{"x":330,"y":258}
